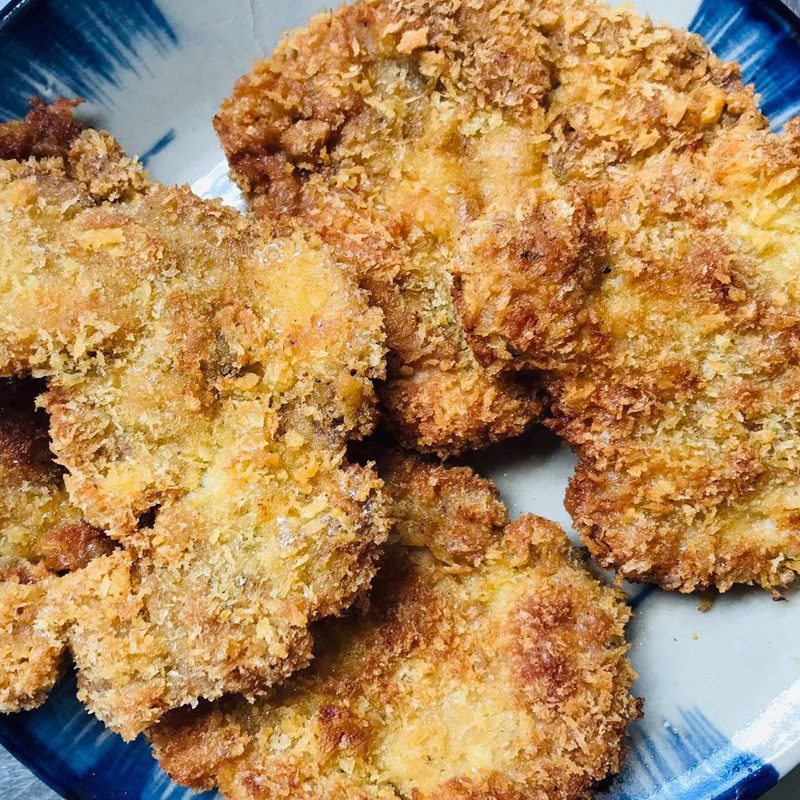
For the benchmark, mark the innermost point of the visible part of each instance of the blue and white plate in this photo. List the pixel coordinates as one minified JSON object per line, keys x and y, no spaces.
{"x":722,"y":688}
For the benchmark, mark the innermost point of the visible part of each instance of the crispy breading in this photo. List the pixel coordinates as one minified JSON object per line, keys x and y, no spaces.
{"x":626,"y":89}
{"x":686,"y":412}
{"x":514,"y":139}
{"x":30,"y":659}
{"x":41,"y":535}
{"x":390,"y":124}
{"x":453,"y":512}
{"x":499,"y":674}
{"x":204,"y":378}
{"x":673,"y":359}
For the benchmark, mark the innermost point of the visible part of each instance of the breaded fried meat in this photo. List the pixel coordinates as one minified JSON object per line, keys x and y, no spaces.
{"x":488,"y":663}
{"x":564,"y":161}
{"x":389,"y":125}
{"x":685,"y":408}
{"x":41,"y":536}
{"x":204,"y":378}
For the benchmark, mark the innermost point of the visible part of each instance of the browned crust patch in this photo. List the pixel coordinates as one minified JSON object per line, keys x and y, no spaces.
{"x":203,"y":380}
{"x":464,"y":678}
{"x":393,"y":128}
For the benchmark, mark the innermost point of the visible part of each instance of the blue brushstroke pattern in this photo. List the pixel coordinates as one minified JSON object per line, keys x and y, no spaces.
{"x":158,"y":146}
{"x":765,"y":41}
{"x":69,"y":745}
{"x":693,"y":760}
{"x":11,"y":10}
{"x":52,"y":46}
{"x":73,"y":752}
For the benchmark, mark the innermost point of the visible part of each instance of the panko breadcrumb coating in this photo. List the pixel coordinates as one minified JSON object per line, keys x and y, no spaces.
{"x":670,"y":350}
{"x":488,"y":665}
{"x":389,"y":125}
{"x":41,"y":536}
{"x":560,"y":161}
{"x":685,"y":409}
{"x":203,"y":381}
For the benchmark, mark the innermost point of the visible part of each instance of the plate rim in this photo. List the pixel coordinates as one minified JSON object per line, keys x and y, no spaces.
{"x":19,"y":745}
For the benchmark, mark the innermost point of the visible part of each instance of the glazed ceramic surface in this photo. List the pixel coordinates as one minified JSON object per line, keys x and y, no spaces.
{"x":722,"y":687}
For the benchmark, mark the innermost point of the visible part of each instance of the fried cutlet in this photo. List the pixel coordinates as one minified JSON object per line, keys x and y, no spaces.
{"x":488,"y":663}
{"x":686,"y":412}
{"x":41,"y":537}
{"x":522,"y":140}
{"x":674,"y":368}
{"x":204,"y":378}
{"x":390,"y":124}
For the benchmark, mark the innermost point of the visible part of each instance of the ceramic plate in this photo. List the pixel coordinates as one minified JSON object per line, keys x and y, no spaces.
{"x":722,"y":688}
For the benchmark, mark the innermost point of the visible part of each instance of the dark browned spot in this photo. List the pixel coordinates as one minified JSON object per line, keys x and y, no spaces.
{"x":70,"y":547}
{"x":341,"y":730}
{"x":47,"y":130}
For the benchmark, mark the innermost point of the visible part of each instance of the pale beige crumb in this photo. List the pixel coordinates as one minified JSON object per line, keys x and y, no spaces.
{"x":497,"y":672}
{"x":204,"y":378}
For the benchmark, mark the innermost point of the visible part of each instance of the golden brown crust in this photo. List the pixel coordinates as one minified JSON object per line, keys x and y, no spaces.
{"x":203,"y":381}
{"x":453,"y":512}
{"x":671,"y":357}
{"x":448,"y":412}
{"x":72,"y":545}
{"x":627,"y":89}
{"x":684,"y":411}
{"x":391,"y":126}
{"x":30,"y":660}
{"x":34,"y":514}
{"x":47,"y":131}
{"x":545,"y":209}
{"x":300,"y":132}
{"x":466,"y":683}
{"x":522,"y":275}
